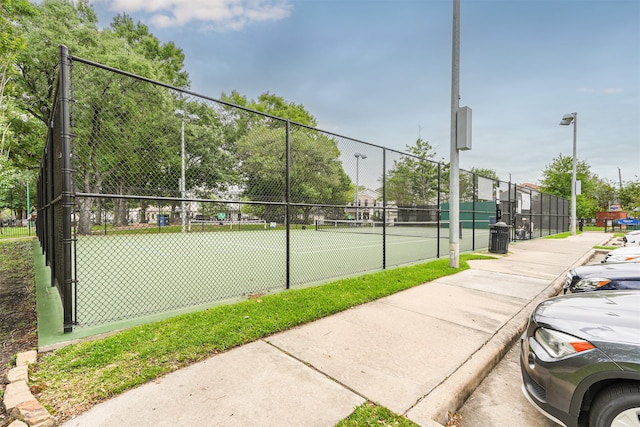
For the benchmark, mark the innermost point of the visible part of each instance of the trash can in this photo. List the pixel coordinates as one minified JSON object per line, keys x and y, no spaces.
{"x":499,"y":238}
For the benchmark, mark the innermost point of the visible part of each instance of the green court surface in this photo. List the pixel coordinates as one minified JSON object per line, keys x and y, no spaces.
{"x":124,"y":280}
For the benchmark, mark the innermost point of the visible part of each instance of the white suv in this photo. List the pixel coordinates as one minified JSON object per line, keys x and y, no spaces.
{"x":632,"y":238}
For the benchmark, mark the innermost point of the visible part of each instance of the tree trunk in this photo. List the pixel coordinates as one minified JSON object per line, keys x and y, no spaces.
{"x":143,"y":211}
{"x":99,"y":210}
{"x":120,"y":212}
{"x":84,"y":215}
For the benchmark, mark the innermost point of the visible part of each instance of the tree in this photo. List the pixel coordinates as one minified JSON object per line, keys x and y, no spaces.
{"x":276,"y":106}
{"x":16,"y":151}
{"x":467,"y":184}
{"x":316,"y":174}
{"x":486,"y":173}
{"x":120,"y":124}
{"x":11,"y":43}
{"x":601,"y":195}
{"x":556,"y":180}
{"x":11,"y":40}
{"x":259,"y":142}
{"x":238,"y":121}
{"x":166,"y":61}
{"x":56,"y":22}
{"x":629,"y":197}
{"x":413,"y":180}
{"x":210,"y":165}
{"x":272,"y":105}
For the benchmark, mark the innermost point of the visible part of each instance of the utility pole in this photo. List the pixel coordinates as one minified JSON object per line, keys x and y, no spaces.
{"x":454,"y":170}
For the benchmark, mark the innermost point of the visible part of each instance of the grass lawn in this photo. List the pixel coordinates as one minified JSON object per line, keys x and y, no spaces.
{"x":74,"y":378}
{"x":568,"y":233}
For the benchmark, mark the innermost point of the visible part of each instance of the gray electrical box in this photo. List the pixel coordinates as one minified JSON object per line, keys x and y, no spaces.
{"x":463,"y":128}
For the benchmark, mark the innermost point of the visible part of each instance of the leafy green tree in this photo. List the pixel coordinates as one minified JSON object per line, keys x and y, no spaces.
{"x":486,"y":173}
{"x":11,"y":40}
{"x":276,"y":106}
{"x":556,"y":178}
{"x":120,"y":124}
{"x":165,"y":62}
{"x":56,"y":22}
{"x":11,"y":43}
{"x":259,"y":142}
{"x":629,"y":197}
{"x":602,"y":194}
{"x":210,"y":166}
{"x":11,"y":37}
{"x":557,"y":181}
{"x":272,"y":105}
{"x":238,"y":121}
{"x":467,"y":181}
{"x":16,"y":151}
{"x":316,"y":173}
{"x":413,"y":180}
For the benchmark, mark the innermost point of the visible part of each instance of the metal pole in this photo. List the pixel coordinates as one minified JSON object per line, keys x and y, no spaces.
{"x":288,"y":204}
{"x":454,"y":173}
{"x":28,"y":208}
{"x":358,"y":156}
{"x":357,"y":166}
{"x":67,"y":195}
{"x":384,"y":209}
{"x":182,"y":186}
{"x":573,"y":177}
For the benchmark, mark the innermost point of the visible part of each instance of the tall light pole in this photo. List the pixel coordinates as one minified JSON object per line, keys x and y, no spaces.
{"x":358,"y":156}
{"x":567,"y":119}
{"x":454,"y":169}
{"x":191,"y":117}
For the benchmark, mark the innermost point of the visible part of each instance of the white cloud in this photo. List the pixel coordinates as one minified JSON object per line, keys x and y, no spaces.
{"x":218,"y":14}
{"x":612,"y":90}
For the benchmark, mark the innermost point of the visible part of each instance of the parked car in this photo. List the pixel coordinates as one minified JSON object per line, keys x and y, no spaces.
{"x":580,"y":359}
{"x":624,"y":254}
{"x":631,"y":238}
{"x":602,"y":277}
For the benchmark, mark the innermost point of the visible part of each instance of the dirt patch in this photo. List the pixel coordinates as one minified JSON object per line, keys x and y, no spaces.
{"x":18,"y":316}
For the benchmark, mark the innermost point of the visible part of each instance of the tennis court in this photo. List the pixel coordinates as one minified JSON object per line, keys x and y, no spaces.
{"x":127,"y":276}
{"x":120,"y":229}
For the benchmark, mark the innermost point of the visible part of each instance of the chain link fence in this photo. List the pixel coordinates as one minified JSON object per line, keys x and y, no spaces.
{"x":154,"y":199}
{"x":16,"y":201}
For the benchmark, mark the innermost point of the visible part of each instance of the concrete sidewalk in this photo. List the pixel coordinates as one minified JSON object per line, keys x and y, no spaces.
{"x":420,"y":353}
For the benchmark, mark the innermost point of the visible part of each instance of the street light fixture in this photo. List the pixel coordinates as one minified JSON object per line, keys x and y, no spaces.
{"x":358,"y":156}
{"x":191,"y":117}
{"x":567,"y":119}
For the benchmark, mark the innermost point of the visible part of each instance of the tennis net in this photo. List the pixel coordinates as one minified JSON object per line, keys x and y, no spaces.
{"x":412,"y":229}
{"x":213,"y":225}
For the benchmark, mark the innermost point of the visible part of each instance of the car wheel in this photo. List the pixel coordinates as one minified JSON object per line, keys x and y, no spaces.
{"x":616,"y":406}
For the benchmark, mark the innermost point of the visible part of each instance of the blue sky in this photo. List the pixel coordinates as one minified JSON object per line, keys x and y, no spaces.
{"x":380,"y":71}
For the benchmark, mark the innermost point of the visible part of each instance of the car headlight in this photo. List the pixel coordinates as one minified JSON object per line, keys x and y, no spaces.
{"x":569,"y":279}
{"x":590,"y":284}
{"x":559,"y":344}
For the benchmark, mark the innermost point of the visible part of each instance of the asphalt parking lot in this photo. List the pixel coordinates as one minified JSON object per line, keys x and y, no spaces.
{"x":499,"y":402}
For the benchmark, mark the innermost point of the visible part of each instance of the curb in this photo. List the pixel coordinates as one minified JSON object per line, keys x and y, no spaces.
{"x":454,"y":391}
{"x":18,"y":401}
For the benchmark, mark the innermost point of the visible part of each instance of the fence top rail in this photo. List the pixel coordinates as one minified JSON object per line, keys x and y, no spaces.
{"x":219,"y":101}
{"x":229,"y":104}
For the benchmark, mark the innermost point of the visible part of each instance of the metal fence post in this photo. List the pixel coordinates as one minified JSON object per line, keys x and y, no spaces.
{"x":439,"y":211}
{"x":287,"y":207}
{"x":384,"y":207}
{"x":67,"y":197}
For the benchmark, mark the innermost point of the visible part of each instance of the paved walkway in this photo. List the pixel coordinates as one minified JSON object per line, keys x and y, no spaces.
{"x":419,"y":352}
